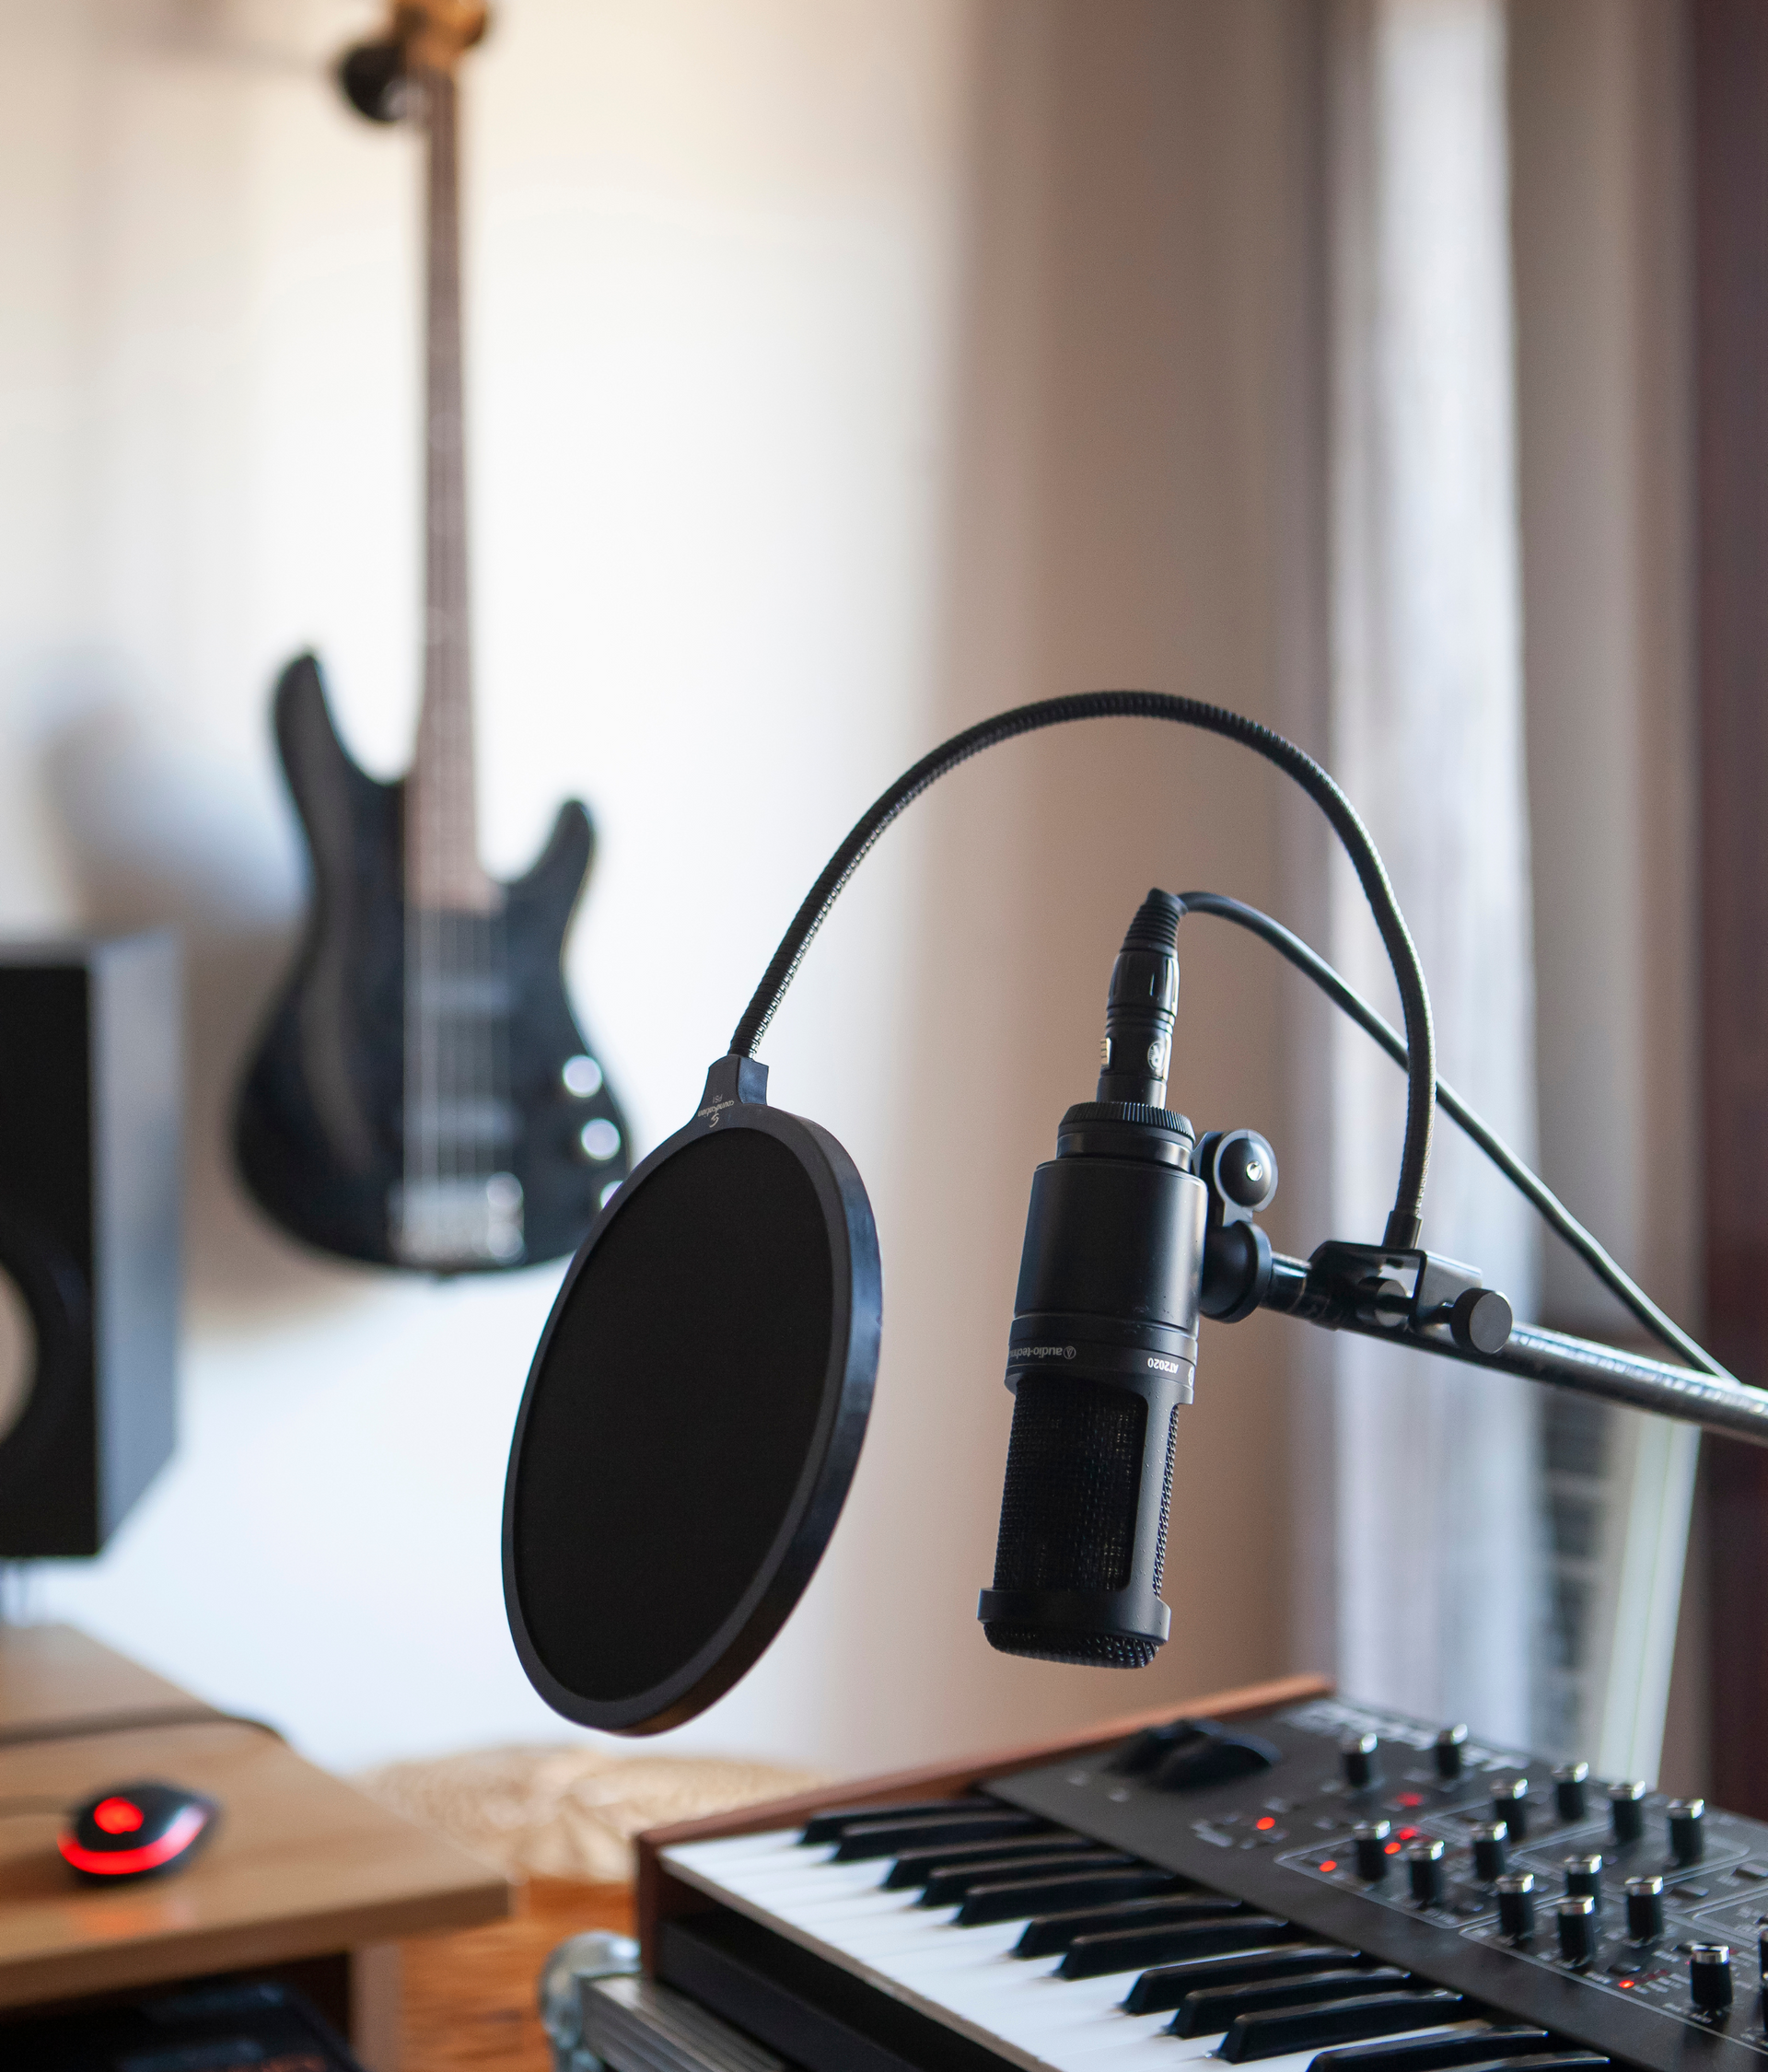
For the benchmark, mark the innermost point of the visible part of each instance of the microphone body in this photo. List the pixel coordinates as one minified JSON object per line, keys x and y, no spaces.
{"x":1101,"y":1361}
{"x":1103,"y":1346}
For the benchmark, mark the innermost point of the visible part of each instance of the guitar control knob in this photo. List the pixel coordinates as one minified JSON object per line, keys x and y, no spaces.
{"x":1371,"y":1840}
{"x":1576,"y":1919}
{"x":1709,"y":1976}
{"x":1645,"y":1908}
{"x":1584,"y":1876}
{"x":1569,"y":1781}
{"x":1516,"y":1905}
{"x":1449,"y":1744}
{"x":1490,"y":1853}
{"x":1361,"y":1755}
{"x":1627,"y":1809}
{"x":1687,"y":1829}
{"x":1425,"y":1868}
{"x":1510,"y":1807}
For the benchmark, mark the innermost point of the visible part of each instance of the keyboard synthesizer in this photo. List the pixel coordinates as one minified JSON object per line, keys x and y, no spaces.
{"x":1325,"y":1888}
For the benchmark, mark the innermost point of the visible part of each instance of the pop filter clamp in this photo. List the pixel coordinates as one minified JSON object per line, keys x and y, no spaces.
{"x":696,"y":1406}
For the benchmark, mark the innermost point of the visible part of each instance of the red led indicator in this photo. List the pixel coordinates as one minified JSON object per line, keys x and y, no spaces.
{"x":1266,"y":1821}
{"x":117,"y":1816}
{"x":1625,"y":1984}
{"x":126,"y":1863}
{"x":1393,"y":1848}
{"x":1409,"y":1800}
{"x":1330,"y":1864}
{"x":1408,"y":1835}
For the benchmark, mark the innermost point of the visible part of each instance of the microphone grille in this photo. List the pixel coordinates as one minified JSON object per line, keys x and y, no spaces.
{"x":1073,"y":1471}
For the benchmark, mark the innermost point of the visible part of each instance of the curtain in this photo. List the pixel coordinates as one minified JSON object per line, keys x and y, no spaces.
{"x":1435,"y":1472}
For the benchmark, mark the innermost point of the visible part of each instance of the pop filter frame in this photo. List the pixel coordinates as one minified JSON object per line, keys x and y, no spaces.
{"x":542,"y":1552}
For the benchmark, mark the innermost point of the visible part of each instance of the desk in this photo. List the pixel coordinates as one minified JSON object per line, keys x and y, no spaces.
{"x":304,"y":1878}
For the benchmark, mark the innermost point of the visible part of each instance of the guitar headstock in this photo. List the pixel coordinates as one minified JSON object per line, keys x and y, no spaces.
{"x":420,"y":35}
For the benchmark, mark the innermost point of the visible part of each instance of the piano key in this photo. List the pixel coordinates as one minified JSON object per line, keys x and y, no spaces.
{"x":913,"y":1867}
{"x":1464,"y":2046}
{"x":889,"y":1838}
{"x":1134,"y":1949}
{"x":828,"y":1827}
{"x":949,"y":1883}
{"x":1047,"y":1934}
{"x":1166,"y":1986}
{"x":1209,"y":2010}
{"x":1018,"y":1898}
{"x":1254,"y":2036}
{"x":1572,"y":2060}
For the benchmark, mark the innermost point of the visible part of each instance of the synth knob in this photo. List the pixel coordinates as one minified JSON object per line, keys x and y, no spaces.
{"x":1627,"y":1811}
{"x":1516,"y":1905}
{"x":1425,"y":1868}
{"x":1576,"y":1919}
{"x":1371,"y":1841}
{"x":1687,"y":1829}
{"x":1490,"y":1853}
{"x":1450,"y":1745}
{"x":1361,"y":1755}
{"x":1569,"y":1781}
{"x":1584,"y":1879}
{"x":1645,"y":1908}
{"x":1510,"y":1807}
{"x":1709,"y":1976}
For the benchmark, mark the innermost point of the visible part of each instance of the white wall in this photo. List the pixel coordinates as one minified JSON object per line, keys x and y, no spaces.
{"x":838,"y":373}
{"x":709,"y":256}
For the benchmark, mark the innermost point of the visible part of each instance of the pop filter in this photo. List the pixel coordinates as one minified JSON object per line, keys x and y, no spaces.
{"x":693,"y":1415}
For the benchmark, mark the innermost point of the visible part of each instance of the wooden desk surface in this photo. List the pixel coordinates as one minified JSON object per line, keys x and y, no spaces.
{"x":300,"y":1865}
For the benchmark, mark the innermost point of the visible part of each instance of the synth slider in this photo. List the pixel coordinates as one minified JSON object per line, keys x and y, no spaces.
{"x":1325,"y":1888}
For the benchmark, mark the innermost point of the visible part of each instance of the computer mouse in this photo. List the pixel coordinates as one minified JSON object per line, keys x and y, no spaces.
{"x":136,"y":1831}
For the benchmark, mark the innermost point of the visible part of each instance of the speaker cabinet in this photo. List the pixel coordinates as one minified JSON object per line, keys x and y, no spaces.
{"x":91,"y":1088}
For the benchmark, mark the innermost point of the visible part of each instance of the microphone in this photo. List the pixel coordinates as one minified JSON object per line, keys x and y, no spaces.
{"x":1103,"y":1346}
{"x":1104,"y":1342}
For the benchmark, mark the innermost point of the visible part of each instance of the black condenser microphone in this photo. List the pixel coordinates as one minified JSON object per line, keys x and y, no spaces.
{"x":1104,"y":1342}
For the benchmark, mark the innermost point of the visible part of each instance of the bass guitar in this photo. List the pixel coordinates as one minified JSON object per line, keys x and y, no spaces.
{"x":422,"y":1094}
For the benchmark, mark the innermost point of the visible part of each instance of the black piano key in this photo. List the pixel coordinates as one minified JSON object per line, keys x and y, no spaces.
{"x":889,"y":1838}
{"x":1569,"y":2060}
{"x":1209,"y":2011}
{"x":1251,"y":2036}
{"x":914,"y":1866}
{"x":1047,"y":1934}
{"x":1134,"y":1949}
{"x":1019,"y":1898}
{"x":1166,"y":1986}
{"x":826,"y":1827}
{"x":1472,"y":2044}
{"x":952,"y":1883}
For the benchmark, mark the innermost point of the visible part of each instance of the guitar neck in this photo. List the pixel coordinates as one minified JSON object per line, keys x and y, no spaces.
{"x":442,"y":869}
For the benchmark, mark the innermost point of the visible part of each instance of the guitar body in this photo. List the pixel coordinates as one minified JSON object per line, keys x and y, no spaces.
{"x":319,"y":1125}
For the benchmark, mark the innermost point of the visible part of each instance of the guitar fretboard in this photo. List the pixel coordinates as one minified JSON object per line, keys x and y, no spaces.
{"x":442,"y":869}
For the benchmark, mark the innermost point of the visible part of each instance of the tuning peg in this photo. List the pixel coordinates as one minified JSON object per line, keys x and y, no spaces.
{"x":373,"y":78}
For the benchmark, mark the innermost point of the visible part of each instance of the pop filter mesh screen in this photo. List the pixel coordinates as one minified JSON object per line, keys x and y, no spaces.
{"x":673,"y":1415}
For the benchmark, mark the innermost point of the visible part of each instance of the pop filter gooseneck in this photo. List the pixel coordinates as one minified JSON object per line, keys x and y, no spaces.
{"x":696,"y":1406}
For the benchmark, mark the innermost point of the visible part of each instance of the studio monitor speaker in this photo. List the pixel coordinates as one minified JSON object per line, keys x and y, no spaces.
{"x":91,"y":1185}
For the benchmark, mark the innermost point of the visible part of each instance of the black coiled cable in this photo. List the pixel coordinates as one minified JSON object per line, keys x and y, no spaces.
{"x":1405,"y":1224}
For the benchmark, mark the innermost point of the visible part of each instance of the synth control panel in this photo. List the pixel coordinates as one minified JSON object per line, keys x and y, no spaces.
{"x":1613,"y":1914}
